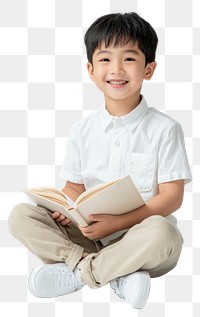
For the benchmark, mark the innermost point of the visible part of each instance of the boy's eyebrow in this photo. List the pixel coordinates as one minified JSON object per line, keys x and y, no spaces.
{"x":125,"y":51}
{"x":132,"y":51}
{"x":103,"y":52}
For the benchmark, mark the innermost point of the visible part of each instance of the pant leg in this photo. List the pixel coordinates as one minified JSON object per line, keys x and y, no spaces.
{"x":38,"y":231}
{"x":153,"y":245}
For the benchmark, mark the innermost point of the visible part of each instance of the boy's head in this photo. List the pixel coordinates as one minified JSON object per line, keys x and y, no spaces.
{"x":120,"y":29}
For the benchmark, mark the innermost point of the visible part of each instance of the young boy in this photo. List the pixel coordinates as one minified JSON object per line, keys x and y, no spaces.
{"x":124,"y":137}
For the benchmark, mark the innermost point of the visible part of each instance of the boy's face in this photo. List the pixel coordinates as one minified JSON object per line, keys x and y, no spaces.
{"x":118,"y":71}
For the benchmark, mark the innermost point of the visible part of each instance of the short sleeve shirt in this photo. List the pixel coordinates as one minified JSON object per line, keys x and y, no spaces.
{"x":146,"y":144}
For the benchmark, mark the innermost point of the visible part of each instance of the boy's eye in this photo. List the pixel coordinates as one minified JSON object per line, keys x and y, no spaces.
{"x":104,"y":60}
{"x":129,"y":59}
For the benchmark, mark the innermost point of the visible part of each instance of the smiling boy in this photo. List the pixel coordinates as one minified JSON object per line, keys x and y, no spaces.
{"x":119,"y":71}
{"x":123,"y":137}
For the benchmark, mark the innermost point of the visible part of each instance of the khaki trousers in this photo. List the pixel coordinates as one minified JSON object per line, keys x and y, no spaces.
{"x":154,"y":245}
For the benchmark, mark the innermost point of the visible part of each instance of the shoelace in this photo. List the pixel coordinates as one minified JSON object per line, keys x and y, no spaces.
{"x":63,"y":279}
{"x":118,"y":285}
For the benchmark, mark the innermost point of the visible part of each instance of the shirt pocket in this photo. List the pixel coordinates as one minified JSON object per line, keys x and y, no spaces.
{"x":141,"y":168}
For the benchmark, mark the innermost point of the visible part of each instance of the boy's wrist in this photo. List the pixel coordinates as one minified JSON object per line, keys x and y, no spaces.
{"x":130,"y":219}
{"x":119,"y":223}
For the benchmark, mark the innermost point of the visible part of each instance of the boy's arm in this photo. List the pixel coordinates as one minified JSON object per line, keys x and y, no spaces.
{"x":72,"y":190}
{"x":168,"y":200}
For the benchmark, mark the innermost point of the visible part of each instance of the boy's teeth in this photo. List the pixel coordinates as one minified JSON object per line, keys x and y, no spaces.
{"x":117,"y":82}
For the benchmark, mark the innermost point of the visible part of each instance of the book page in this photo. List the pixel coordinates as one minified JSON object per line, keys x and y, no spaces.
{"x":53,"y":204}
{"x":51,"y":193}
{"x":91,"y":192}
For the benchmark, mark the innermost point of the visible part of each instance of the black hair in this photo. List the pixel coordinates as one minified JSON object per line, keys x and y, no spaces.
{"x":120,"y":29}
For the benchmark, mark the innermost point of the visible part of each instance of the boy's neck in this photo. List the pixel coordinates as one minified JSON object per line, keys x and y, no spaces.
{"x":122,"y":107}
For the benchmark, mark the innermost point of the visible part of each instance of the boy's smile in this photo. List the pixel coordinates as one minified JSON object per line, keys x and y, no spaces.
{"x":117,"y":83}
{"x":118,"y":71}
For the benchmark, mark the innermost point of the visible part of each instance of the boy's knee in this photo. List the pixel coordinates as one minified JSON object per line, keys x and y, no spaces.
{"x":17,"y":217}
{"x":164,"y":231}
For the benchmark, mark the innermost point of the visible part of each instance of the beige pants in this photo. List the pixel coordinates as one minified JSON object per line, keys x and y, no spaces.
{"x":153,"y":245}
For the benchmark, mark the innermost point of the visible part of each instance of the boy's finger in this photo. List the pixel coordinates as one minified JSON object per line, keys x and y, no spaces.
{"x":60,"y":218}
{"x":55,"y":214}
{"x":66,"y":222}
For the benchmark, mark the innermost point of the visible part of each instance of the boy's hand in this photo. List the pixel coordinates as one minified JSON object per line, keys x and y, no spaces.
{"x":61,"y":219}
{"x":103,"y":226}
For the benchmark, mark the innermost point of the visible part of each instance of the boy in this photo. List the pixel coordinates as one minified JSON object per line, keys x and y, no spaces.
{"x":123,"y":137}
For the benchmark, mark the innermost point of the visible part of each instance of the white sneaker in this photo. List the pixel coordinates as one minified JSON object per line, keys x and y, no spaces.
{"x":54,"y":280}
{"x":133,"y":288}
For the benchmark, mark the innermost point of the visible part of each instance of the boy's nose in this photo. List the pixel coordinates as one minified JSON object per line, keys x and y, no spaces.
{"x":116,"y":68}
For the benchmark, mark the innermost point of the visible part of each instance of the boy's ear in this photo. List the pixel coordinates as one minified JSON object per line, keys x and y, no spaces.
{"x":149,"y":70}
{"x":90,"y":71}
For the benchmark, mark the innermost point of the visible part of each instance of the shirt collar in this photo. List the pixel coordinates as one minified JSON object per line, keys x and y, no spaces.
{"x":131,"y":120}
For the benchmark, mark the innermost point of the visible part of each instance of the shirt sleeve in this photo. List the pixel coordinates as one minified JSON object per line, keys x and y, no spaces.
{"x":172,"y":159}
{"x":71,"y":169}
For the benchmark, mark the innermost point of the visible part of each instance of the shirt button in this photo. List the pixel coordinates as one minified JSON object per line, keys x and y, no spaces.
{"x":117,"y":143}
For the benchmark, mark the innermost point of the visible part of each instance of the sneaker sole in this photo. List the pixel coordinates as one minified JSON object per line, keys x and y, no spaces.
{"x":33,"y":286}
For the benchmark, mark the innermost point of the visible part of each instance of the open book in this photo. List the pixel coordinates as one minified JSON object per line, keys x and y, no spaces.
{"x":115,"y":198}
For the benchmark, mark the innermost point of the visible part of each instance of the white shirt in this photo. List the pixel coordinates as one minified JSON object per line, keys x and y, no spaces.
{"x":146,"y":144}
